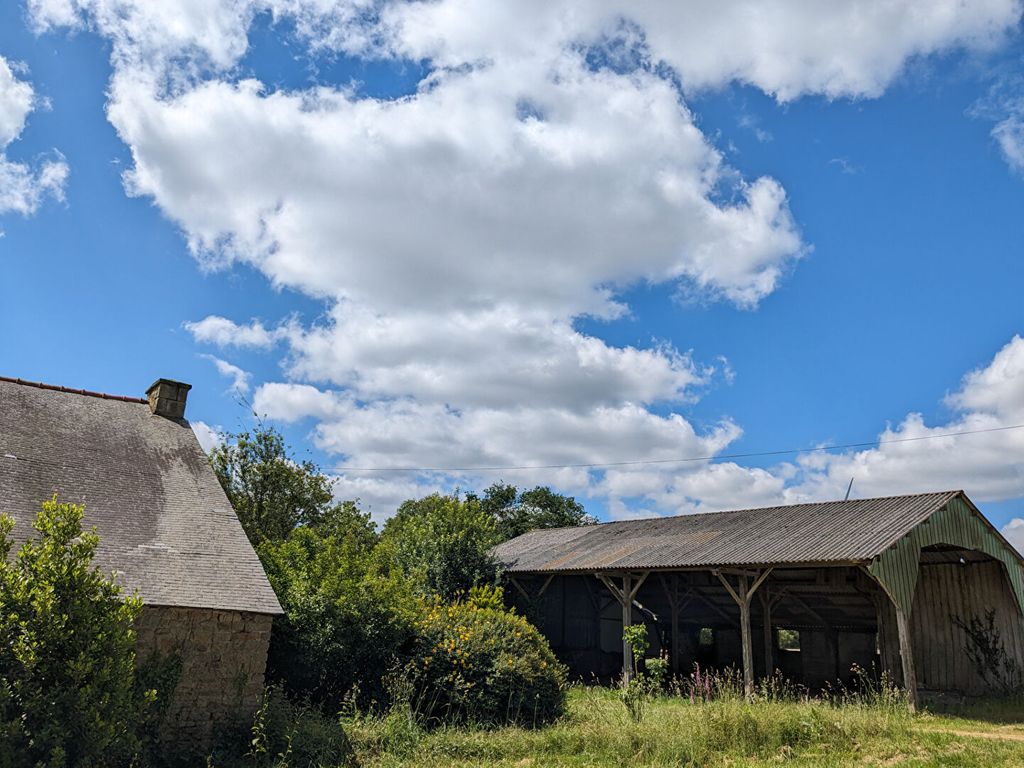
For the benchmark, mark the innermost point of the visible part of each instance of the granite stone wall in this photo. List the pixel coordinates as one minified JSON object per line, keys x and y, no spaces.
{"x":223,"y":658}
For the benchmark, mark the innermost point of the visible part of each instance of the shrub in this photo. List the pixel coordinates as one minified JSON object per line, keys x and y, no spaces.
{"x":987,"y":652}
{"x":485,"y":666}
{"x":67,"y":660}
{"x":346,"y":622}
{"x":638,"y":691}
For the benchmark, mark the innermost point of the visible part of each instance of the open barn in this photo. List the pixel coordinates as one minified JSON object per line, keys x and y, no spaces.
{"x":811,"y":591}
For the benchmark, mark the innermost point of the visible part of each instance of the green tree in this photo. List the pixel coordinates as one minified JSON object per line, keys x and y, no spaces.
{"x":347,"y":620}
{"x":442,"y":543}
{"x":516,"y":512}
{"x":67,"y":649}
{"x":271,"y":493}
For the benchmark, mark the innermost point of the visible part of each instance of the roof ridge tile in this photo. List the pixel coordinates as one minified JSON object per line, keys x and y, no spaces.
{"x":70,"y":391}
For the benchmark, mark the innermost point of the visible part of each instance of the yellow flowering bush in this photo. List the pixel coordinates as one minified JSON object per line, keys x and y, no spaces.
{"x":485,"y":665}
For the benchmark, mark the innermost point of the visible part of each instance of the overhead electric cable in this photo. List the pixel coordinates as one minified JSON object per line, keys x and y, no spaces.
{"x":718,"y":457}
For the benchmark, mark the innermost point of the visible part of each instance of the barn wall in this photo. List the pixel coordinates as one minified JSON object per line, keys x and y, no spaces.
{"x":945,"y":591}
{"x":955,"y":524}
{"x":223,"y":658}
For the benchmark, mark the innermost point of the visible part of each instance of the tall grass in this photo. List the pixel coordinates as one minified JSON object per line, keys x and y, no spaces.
{"x":703,"y":720}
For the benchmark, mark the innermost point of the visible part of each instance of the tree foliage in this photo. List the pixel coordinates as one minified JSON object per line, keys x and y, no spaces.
{"x":67,"y":660}
{"x":271,"y":492}
{"x":347,"y":620}
{"x":442,"y":543}
{"x":515,"y":512}
{"x":354,"y":599}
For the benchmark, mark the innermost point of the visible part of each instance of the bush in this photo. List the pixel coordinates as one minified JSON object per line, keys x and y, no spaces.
{"x":67,"y":650}
{"x":346,"y":622}
{"x":485,"y":666}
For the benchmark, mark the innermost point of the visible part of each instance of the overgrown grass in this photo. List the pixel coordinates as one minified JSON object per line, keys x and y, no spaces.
{"x":708,"y":723}
{"x":725,"y":730}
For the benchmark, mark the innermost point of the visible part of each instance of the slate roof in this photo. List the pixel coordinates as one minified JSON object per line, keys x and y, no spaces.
{"x":164,"y":523}
{"x":835,"y":532}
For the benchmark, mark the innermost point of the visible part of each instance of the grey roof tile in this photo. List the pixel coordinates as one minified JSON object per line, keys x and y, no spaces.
{"x":164,"y":522}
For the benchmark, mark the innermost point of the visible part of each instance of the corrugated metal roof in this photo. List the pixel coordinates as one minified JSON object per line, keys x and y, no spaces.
{"x":164,"y":522}
{"x":825,"y":532}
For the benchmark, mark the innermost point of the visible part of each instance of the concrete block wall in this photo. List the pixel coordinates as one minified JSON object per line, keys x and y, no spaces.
{"x":223,"y":660}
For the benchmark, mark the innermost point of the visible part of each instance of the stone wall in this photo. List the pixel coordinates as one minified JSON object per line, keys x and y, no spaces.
{"x":223,"y":657}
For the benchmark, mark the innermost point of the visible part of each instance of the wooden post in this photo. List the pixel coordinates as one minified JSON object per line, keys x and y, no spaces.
{"x":769,"y":641}
{"x":672,"y":596}
{"x":906,"y":657}
{"x":906,"y":645}
{"x":742,"y":597}
{"x":675,"y":625}
{"x":627,"y":621}
{"x":748,"y":647}
{"x":625,"y":596}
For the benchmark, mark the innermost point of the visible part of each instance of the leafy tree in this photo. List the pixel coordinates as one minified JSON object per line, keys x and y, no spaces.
{"x":442,"y":543}
{"x":517,"y":512}
{"x":346,"y":619}
{"x":67,"y":650}
{"x":271,"y":492}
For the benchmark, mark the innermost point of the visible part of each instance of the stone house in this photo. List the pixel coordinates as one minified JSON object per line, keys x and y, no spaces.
{"x":166,"y":530}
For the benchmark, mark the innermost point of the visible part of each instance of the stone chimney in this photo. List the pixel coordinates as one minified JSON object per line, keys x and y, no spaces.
{"x":167,"y":398}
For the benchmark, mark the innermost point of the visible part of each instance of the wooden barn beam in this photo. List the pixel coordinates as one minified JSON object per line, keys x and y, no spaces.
{"x":767,"y":603}
{"x":676,"y":603}
{"x":545,"y":585}
{"x":743,"y":594}
{"x":699,"y":594}
{"x":625,"y":596}
{"x":522,"y":590}
{"x":906,"y":644}
{"x":515,"y":583}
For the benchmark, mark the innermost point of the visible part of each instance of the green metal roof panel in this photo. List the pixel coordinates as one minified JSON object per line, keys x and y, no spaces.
{"x":957,"y":523}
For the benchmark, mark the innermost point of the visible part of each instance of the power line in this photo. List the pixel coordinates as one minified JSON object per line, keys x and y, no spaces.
{"x":640,"y":462}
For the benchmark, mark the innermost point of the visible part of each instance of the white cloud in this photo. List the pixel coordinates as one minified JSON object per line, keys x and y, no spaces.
{"x":490,"y":357}
{"x":998,"y":388}
{"x":240,"y":379}
{"x":787,"y":48}
{"x":22,"y":187}
{"x":985,"y":464}
{"x":208,"y":437}
{"x":225,"y":333}
{"x":545,"y":163}
{"x":1014,"y":533}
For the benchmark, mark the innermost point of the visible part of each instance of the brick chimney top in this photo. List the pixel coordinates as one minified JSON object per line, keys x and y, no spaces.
{"x":167,"y":398}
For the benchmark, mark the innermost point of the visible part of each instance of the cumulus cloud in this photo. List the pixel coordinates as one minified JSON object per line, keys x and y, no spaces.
{"x":22,"y":186}
{"x":1014,"y":533}
{"x":786,"y":48}
{"x":226,"y":333}
{"x":546,"y":162}
{"x":208,"y":437}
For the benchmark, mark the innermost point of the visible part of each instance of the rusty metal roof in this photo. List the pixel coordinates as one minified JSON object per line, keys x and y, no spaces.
{"x":851,"y":531}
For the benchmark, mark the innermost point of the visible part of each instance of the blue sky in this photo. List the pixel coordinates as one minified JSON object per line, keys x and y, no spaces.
{"x":421,"y":240}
